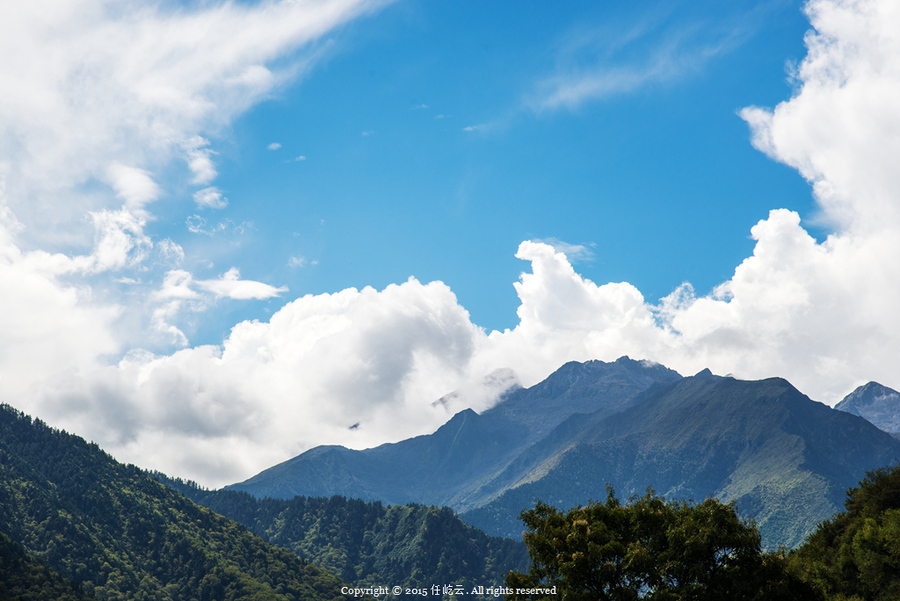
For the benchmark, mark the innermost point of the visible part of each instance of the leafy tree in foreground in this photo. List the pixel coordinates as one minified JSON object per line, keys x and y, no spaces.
{"x":856,"y":554}
{"x":651,"y":549}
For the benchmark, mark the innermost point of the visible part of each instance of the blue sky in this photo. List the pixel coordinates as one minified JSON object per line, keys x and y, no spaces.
{"x":657,"y":180}
{"x":231,"y":231}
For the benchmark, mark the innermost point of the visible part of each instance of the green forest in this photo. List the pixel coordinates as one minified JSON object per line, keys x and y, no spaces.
{"x":75,"y":524}
{"x":654,"y":549}
{"x":118,"y":534}
{"x":370,"y":543}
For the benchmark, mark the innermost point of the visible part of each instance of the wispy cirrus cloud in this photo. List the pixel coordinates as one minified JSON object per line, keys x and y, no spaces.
{"x":575,"y":253}
{"x":614,"y":59}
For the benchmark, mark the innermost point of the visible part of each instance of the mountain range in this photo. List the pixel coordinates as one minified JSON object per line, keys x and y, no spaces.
{"x":784,"y":459}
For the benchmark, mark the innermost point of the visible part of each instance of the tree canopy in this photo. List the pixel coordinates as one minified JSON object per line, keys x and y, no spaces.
{"x":648,"y":548}
{"x":856,"y":555}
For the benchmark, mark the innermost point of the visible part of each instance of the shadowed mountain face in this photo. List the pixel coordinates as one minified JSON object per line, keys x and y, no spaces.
{"x":784,"y":459}
{"x":455,"y":466}
{"x":876,"y":403}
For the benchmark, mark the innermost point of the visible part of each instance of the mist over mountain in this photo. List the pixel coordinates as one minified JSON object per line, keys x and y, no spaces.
{"x":784,"y":459}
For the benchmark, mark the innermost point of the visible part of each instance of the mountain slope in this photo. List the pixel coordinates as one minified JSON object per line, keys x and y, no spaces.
{"x":784,"y":459}
{"x":455,"y":465}
{"x":122,"y":535}
{"x":367,"y":544}
{"x":876,"y":403}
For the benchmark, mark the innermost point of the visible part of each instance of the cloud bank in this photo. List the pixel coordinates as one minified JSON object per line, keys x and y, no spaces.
{"x":822,"y":315}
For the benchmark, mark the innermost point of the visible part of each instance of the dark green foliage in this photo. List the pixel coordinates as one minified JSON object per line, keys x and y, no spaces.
{"x":856,"y":555}
{"x":369,"y":543}
{"x":24,"y":578}
{"x":119,"y":534}
{"x":649,"y":548}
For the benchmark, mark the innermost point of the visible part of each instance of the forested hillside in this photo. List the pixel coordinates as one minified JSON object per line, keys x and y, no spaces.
{"x":24,"y":578}
{"x":119,"y":534}
{"x":370,"y":543}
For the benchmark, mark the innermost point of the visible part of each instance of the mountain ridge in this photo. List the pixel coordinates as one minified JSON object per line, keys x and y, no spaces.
{"x":629,"y":423}
{"x":451,"y":466}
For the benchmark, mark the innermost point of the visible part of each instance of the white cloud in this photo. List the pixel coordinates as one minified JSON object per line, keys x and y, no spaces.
{"x":47,"y":326}
{"x":274,"y":146}
{"x":297,"y":262}
{"x":321,"y":364}
{"x":839,"y":130}
{"x":230,"y":285}
{"x":89,"y":87}
{"x":135,"y":186}
{"x":298,"y":159}
{"x":210,"y":198}
{"x":199,"y":159}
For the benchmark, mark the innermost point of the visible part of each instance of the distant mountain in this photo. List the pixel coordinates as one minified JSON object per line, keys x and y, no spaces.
{"x":455,"y":466}
{"x":784,"y":459}
{"x":368,"y":544}
{"x":118,"y":534}
{"x":876,"y":403}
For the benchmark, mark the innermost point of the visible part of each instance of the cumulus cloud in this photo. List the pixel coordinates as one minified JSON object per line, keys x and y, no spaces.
{"x":839,"y":130}
{"x":320,"y":365}
{"x":274,"y":146}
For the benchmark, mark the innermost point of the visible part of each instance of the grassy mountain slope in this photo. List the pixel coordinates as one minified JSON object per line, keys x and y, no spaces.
{"x":369,"y":543}
{"x":784,"y":459}
{"x":457,"y":464}
{"x":122,"y":535}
